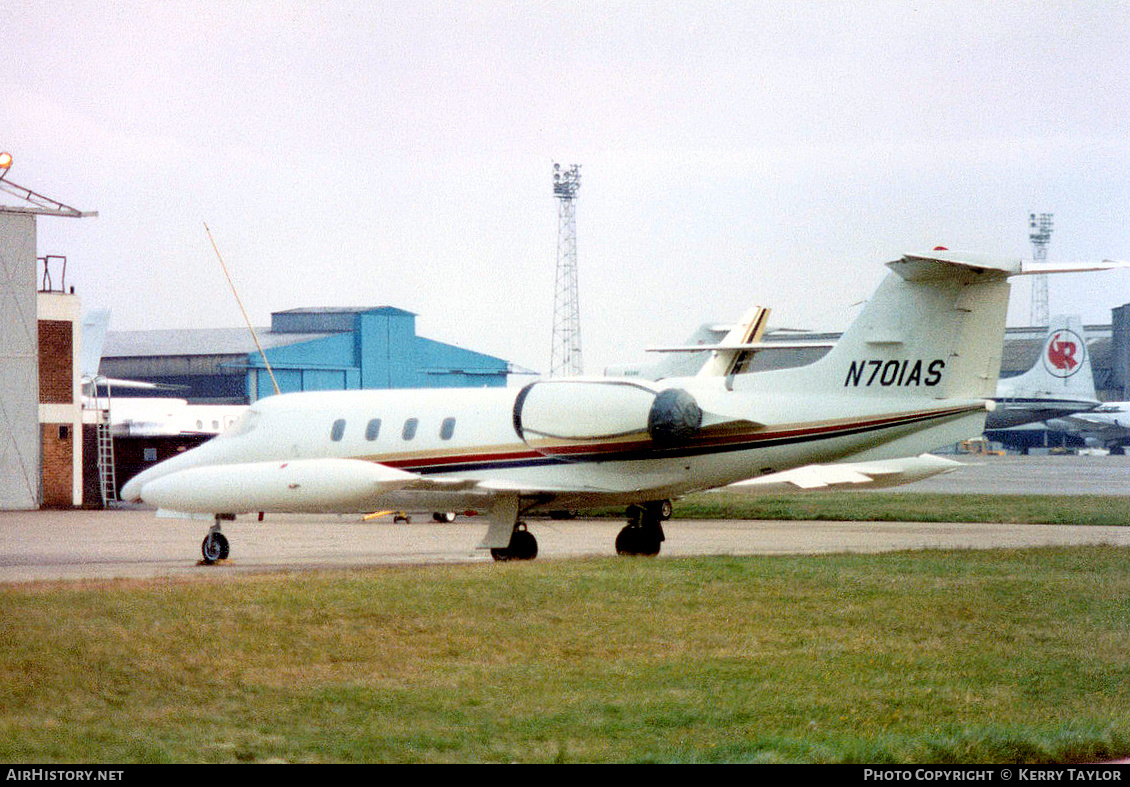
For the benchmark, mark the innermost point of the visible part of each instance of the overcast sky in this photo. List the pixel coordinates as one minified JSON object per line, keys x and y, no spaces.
{"x":401,"y":153}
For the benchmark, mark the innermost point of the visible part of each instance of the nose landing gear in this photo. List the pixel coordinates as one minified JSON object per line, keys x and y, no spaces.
{"x":215,"y":545}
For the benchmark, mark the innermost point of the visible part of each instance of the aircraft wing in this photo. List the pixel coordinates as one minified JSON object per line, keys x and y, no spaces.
{"x":1094,"y":420}
{"x":848,"y":475}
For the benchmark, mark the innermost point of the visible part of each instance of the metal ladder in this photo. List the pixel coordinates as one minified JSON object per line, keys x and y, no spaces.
{"x":107,"y":479}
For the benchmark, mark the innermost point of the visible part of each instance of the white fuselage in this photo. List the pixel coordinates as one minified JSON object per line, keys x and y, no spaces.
{"x":911,"y":373}
{"x":462,"y":442}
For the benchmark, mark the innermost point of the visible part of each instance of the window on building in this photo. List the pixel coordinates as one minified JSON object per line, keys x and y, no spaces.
{"x":410,"y":428}
{"x":447,"y":428}
{"x":338,"y":430}
{"x":373,"y":429}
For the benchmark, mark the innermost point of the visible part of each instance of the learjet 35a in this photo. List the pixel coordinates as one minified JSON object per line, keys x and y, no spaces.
{"x":913,"y":372}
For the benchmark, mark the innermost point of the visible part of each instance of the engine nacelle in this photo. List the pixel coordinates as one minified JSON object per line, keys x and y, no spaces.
{"x":572,"y":416}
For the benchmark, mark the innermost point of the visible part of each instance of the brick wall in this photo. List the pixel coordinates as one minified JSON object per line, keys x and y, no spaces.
{"x":56,"y":378}
{"x":58,"y":465}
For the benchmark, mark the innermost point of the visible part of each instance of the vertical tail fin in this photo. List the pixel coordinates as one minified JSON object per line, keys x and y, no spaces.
{"x":726,"y":362}
{"x":933,"y":329}
{"x":1063,"y":368}
{"x":1059,"y":383}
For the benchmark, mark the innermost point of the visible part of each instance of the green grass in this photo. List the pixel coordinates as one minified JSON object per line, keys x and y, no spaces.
{"x":940,"y":657}
{"x":909,"y":507}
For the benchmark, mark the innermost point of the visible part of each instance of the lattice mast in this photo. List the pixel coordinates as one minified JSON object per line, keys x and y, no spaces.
{"x":565,"y":358}
{"x":1040,"y":233}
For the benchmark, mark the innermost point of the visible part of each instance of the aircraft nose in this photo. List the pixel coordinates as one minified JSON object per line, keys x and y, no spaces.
{"x":131,"y":490}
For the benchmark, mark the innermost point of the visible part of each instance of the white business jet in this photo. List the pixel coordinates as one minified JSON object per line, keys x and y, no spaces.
{"x":913,"y":372}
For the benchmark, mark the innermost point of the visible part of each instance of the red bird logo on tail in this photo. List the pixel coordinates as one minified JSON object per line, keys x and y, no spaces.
{"x":1061,"y":353}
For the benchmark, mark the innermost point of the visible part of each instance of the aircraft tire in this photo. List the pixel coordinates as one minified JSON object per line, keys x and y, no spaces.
{"x":523,"y":546}
{"x":444,"y":516}
{"x":637,"y":541}
{"x":215,"y":547}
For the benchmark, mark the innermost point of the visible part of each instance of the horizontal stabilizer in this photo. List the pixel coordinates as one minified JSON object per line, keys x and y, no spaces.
{"x":944,"y":264}
{"x":696,"y":348}
{"x":849,"y":475}
{"x":1034,"y":268}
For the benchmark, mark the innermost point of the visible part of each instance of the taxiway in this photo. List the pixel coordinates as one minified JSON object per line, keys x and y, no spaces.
{"x":136,"y":544}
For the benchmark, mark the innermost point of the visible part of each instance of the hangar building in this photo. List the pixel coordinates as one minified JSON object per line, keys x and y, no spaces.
{"x":310,"y":349}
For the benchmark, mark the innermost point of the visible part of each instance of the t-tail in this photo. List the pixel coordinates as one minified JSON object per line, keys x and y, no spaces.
{"x":927,"y":345}
{"x":934,"y":329}
{"x":912,"y":373}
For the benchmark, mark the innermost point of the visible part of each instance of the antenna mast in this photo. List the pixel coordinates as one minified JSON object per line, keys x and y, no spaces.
{"x":565,"y":358}
{"x":246,"y":319}
{"x":1040,"y":233}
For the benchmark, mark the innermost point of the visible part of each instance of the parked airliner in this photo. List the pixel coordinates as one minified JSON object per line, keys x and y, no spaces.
{"x":914,"y":371}
{"x":1060,"y":382}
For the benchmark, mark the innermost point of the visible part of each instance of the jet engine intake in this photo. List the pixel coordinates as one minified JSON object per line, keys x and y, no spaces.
{"x":674,"y":417}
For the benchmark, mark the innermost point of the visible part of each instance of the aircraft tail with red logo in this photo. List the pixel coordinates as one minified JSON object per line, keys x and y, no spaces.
{"x":1059,"y":383}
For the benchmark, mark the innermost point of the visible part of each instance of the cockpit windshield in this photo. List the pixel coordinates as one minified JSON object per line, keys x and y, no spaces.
{"x":242,"y":425}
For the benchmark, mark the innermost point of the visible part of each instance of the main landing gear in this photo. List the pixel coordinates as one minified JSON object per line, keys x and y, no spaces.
{"x":642,"y":536}
{"x":644,"y":532}
{"x":522,"y":546}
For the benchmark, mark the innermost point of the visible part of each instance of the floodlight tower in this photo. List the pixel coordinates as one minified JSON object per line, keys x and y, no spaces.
{"x":1040,"y":233}
{"x":565,"y":358}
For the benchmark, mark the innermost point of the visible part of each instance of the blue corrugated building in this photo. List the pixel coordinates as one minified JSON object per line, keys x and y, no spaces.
{"x":312,"y":349}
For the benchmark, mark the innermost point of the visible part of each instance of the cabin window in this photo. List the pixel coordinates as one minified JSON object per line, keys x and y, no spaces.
{"x":447,"y":428}
{"x":410,"y":428}
{"x":338,"y":430}
{"x":372,"y":429}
